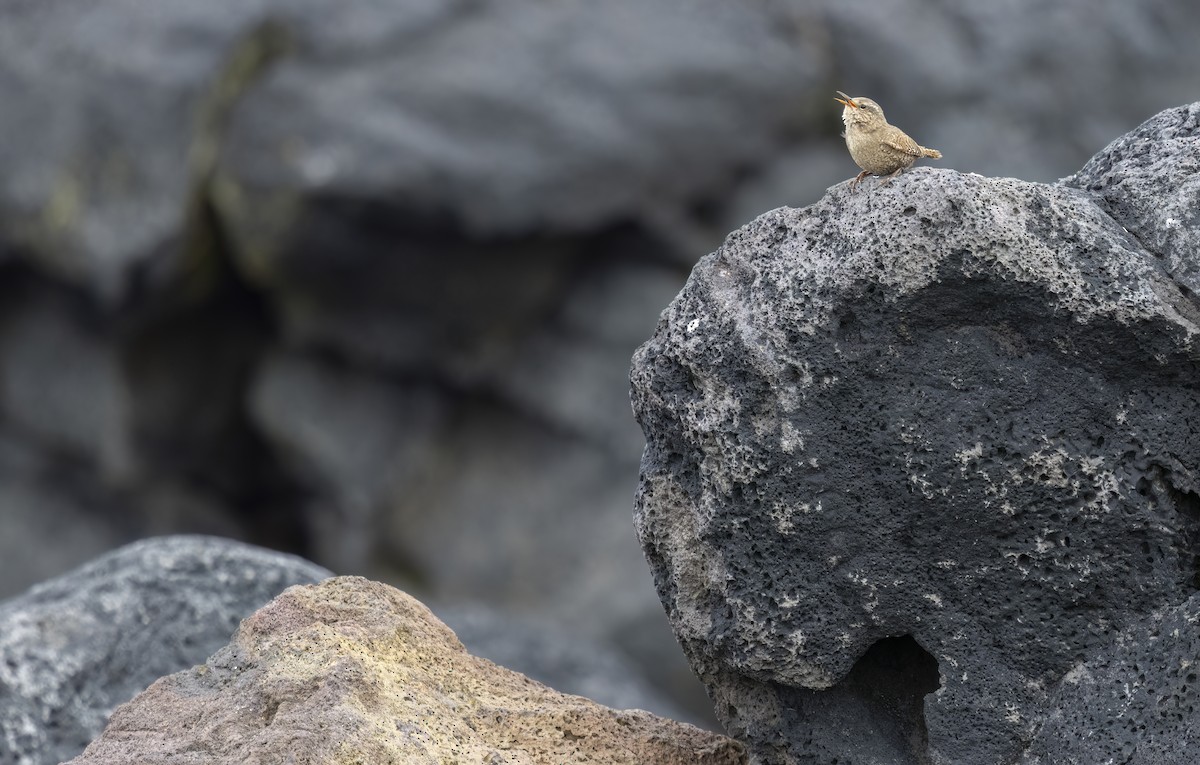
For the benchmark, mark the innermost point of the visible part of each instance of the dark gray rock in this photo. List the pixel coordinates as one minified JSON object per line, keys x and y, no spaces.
{"x":353,"y":438}
{"x":428,"y":207}
{"x":74,"y":648}
{"x":914,"y":454}
{"x":572,"y":374}
{"x":505,"y":116}
{"x":61,"y":382}
{"x":112,"y":429}
{"x":519,"y":116}
{"x":1136,"y":701}
{"x":101,"y":107}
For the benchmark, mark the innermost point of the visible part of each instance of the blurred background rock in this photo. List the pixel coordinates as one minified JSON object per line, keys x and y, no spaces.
{"x":361,"y":281}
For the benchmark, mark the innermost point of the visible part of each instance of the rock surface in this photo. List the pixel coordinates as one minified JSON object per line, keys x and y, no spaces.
{"x":74,"y":648}
{"x":1135,"y":701}
{"x":919,"y":456}
{"x":355,"y":671}
{"x":1149,"y":182}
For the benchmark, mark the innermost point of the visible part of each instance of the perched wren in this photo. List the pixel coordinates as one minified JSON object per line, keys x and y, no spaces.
{"x":875,"y":146}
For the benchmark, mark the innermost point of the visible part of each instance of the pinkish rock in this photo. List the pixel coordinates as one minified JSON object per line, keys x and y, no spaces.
{"x":351,"y":670}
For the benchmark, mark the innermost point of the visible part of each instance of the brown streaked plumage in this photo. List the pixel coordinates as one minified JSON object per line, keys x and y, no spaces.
{"x":875,"y":146}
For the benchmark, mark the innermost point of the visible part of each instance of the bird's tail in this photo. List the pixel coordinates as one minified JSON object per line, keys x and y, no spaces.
{"x":931,"y":153}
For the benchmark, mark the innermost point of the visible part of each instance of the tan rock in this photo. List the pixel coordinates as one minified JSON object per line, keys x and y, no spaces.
{"x":354,"y":671}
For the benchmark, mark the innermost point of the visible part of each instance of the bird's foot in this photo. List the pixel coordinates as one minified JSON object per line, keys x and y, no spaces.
{"x":888,"y":179}
{"x":857,"y":180}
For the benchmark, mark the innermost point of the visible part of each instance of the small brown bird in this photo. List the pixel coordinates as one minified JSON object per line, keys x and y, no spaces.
{"x":875,"y":146}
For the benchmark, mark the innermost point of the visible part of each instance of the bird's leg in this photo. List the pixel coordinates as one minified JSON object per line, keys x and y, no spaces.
{"x":855,"y":181}
{"x":888,"y":179}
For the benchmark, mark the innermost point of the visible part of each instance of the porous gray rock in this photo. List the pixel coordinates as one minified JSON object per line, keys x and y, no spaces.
{"x":1149,"y":181}
{"x":917,"y":453}
{"x":73,"y":648}
{"x":1135,"y":701}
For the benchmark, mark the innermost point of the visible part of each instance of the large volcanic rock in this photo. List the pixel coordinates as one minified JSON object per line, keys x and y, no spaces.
{"x":923,"y":457}
{"x":355,"y":671}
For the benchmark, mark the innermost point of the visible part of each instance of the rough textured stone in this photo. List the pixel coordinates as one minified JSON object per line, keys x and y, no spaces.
{"x":355,"y":671}
{"x":74,"y":648}
{"x":916,"y":452}
{"x":1149,"y":182}
{"x":1135,"y":701}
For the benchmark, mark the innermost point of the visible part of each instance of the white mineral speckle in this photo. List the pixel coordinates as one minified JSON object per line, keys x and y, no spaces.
{"x":966,"y":455}
{"x":789,"y":438}
{"x":1077,"y":674}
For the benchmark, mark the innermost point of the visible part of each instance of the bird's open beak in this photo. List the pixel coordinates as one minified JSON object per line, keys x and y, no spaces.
{"x":845,"y":100}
